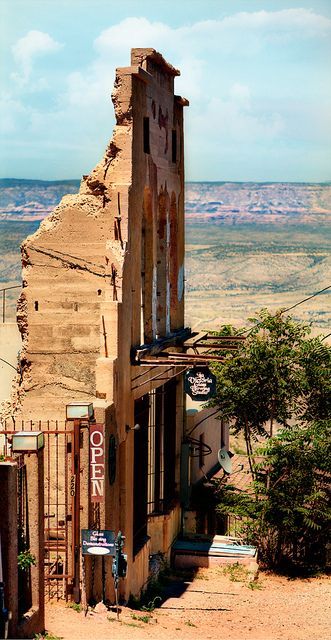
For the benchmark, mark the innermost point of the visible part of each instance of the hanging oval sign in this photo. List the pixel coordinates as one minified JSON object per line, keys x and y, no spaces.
{"x":200,"y":383}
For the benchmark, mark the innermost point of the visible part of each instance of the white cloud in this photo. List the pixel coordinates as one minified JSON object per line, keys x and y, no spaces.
{"x":26,"y":49}
{"x":227,"y":108}
{"x":304,"y":21}
{"x":234,"y":120}
{"x":240,"y":93}
{"x":244,"y":32}
{"x":12,"y":112}
{"x":120,"y":37}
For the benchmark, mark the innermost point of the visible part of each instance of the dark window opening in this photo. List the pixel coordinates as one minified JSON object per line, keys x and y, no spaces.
{"x":36,"y":305}
{"x":146,"y":135}
{"x":169,"y":442}
{"x":174,"y":146}
{"x":99,"y":292}
{"x":162,"y":448}
{"x":154,"y":488}
{"x":141,"y":414}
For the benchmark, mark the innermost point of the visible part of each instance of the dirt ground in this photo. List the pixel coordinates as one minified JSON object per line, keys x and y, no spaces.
{"x":212,"y":606}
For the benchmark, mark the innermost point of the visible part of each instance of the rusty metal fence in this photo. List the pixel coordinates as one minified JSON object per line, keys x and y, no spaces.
{"x":58,"y":498}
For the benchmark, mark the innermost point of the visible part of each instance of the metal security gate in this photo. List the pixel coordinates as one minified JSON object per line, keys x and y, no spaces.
{"x":61,"y":501}
{"x":57,"y":511}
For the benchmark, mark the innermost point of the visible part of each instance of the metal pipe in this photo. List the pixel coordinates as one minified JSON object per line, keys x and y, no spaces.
{"x":76,"y":511}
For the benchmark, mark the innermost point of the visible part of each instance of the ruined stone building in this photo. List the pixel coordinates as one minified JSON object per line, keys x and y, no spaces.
{"x":103,"y":281}
{"x":101,"y":314}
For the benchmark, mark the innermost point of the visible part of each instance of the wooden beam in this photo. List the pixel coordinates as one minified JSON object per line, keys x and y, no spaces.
{"x":194,"y":338}
{"x":177,"y":338}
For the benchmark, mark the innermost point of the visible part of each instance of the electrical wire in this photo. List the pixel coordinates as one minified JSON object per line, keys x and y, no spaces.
{"x":74,"y":265}
{"x":210,"y":415}
{"x":9,"y":364}
{"x":305,"y":299}
{"x":317,"y":293}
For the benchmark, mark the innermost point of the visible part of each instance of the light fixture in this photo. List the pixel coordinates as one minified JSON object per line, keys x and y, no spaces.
{"x":135,"y":428}
{"x":27,"y":441}
{"x":79,"y":410}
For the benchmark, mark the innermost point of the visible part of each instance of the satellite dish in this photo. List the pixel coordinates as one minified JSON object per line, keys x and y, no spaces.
{"x":225,"y":460}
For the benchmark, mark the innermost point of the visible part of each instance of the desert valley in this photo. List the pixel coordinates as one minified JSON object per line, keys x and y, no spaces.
{"x":248,"y":245}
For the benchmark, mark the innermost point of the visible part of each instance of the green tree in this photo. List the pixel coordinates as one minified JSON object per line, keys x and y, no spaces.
{"x":263,"y":382}
{"x":316,"y":364}
{"x":290,"y":520}
{"x":275,"y":389}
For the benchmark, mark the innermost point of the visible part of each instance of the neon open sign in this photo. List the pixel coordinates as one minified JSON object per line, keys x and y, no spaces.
{"x":97,"y":462}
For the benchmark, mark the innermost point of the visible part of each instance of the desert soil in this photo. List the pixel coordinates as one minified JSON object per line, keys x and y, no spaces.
{"x":212,"y":607}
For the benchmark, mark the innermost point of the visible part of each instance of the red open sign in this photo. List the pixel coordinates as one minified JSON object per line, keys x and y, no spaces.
{"x":97,"y":462}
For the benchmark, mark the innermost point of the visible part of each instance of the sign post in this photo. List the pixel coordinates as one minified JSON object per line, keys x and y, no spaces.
{"x":119,"y":565}
{"x":103,"y":542}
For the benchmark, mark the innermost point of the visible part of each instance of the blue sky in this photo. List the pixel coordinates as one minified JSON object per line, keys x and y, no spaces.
{"x":257,"y":74}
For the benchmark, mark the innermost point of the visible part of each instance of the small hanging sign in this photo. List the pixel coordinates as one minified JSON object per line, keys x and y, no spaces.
{"x":200,"y":383}
{"x":98,"y":543}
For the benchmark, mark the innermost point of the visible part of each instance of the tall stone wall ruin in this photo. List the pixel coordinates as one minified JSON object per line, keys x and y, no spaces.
{"x":105,"y":269}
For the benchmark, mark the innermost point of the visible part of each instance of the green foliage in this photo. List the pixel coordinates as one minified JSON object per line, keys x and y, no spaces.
{"x":75,"y":606}
{"x":235,"y":572}
{"x":150,"y":606}
{"x":254,"y":586}
{"x":189,"y":623}
{"x":145,"y":619}
{"x":47,"y":636}
{"x":262,"y":382}
{"x":287,"y":513}
{"x":152,"y":597}
{"x":25,"y":559}
{"x":157,"y":587}
{"x":279,"y":381}
{"x":316,"y":362}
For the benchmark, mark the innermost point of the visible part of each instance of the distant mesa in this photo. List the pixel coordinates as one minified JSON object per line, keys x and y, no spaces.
{"x":223,"y":202}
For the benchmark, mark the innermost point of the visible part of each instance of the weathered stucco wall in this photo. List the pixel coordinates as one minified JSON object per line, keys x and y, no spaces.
{"x":105,"y":269}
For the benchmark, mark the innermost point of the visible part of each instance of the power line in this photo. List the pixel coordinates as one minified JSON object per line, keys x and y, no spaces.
{"x":317,"y":293}
{"x":9,"y":364}
{"x":305,"y":299}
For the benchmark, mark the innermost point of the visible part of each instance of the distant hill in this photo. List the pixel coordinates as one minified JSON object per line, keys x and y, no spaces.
{"x":221,"y":202}
{"x":18,"y":182}
{"x":248,"y":245}
{"x":32,"y":199}
{"x":258,"y":202}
